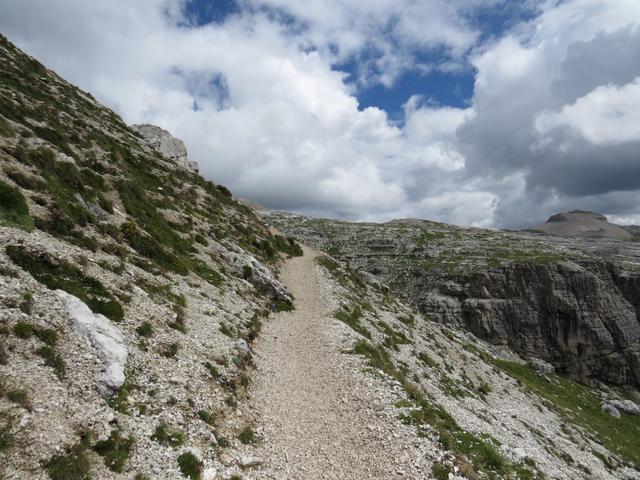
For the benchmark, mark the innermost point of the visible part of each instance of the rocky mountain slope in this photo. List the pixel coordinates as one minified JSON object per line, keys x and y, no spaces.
{"x":130,"y":292}
{"x":584,"y":224}
{"x":570,"y":302}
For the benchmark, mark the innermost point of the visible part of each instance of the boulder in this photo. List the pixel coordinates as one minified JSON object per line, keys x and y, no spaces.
{"x":607,"y":407}
{"x":103,"y":336}
{"x":625,"y":406}
{"x":540,"y":366}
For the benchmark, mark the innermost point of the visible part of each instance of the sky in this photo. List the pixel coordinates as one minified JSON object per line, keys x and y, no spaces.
{"x":490,"y":113}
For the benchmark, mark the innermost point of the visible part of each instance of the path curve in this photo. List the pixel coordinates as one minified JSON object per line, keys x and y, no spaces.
{"x":319,"y":415}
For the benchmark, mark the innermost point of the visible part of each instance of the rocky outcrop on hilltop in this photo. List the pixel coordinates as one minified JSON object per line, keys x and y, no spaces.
{"x":583,"y":223}
{"x":573,"y":303}
{"x":169,"y":146}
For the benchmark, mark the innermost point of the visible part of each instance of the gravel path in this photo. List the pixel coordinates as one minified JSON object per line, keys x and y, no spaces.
{"x":319,"y":415}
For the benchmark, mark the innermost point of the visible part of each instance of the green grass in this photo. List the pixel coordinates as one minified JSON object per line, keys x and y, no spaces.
{"x":351,"y":316}
{"x":63,"y":275}
{"x":14,"y":211}
{"x":481,"y":451}
{"x":283,"y":306}
{"x":346,"y":277}
{"x":119,"y":401}
{"x":115,"y":450}
{"x":580,"y":405}
{"x":73,"y":465}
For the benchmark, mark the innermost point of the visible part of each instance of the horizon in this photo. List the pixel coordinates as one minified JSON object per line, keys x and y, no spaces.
{"x":372,"y":113}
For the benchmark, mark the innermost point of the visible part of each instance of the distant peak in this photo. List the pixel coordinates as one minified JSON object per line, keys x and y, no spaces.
{"x":573,"y":214}
{"x":583,"y":223}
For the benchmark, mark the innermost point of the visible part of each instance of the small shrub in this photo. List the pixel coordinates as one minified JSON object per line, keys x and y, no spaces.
{"x":226,"y":330}
{"x":52,"y":359}
{"x":26,"y":306}
{"x":213,"y":371}
{"x":283,"y":306}
{"x":145,"y":330}
{"x":115,"y":450}
{"x":247,"y":272}
{"x":46,"y":335}
{"x":246,"y":436}
{"x":484,"y":388}
{"x":14,"y":211}
{"x":206,"y":417}
{"x":190,"y":466}
{"x":440,"y":471}
{"x":171,"y":350}
{"x":19,"y":397}
{"x":119,"y":401}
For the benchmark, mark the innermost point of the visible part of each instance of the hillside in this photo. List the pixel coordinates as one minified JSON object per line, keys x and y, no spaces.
{"x":153,"y":327}
{"x":131,"y":290}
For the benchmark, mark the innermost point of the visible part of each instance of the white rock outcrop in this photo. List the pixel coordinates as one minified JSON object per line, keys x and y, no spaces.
{"x":165,"y":143}
{"x":104,"y":336}
{"x":627,"y":406}
{"x":247,"y":266}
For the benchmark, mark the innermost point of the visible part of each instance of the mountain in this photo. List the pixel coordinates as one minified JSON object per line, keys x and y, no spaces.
{"x":153,"y":327}
{"x":131,"y":289}
{"x":584,"y":223}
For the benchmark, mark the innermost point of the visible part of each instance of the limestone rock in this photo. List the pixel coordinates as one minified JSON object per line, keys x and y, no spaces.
{"x":248,"y":461}
{"x":625,"y":406}
{"x":169,"y":146}
{"x":104,"y":336}
{"x":540,"y":365}
{"x":607,"y":407}
{"x":247,"y":266}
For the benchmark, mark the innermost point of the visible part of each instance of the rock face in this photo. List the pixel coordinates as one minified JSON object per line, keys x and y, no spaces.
{"x":169,"y":146}
{"x":584,"y":223}
{"x":570,"y":315}
{"x":571,"y":302}
{"x":105,"y":338}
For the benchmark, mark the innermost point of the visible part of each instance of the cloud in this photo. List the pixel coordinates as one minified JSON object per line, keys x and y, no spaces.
{"x":263,"y":106}
{"x":606,"y":115}
{"x":555,"y":121}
